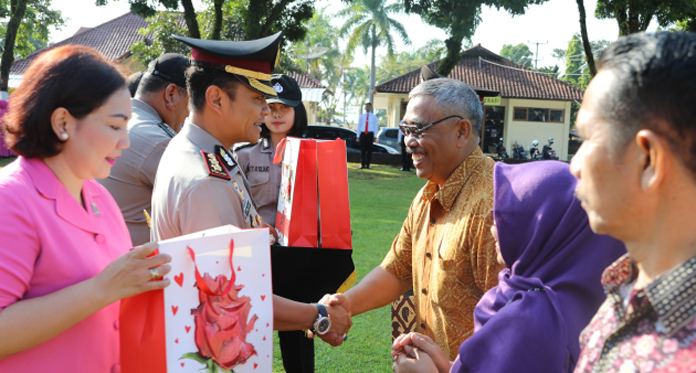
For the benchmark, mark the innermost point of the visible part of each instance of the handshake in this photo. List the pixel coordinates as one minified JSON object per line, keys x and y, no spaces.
{"x":339,"y":310}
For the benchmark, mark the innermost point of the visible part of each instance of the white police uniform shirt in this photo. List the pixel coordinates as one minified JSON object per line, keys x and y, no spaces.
{"x":199,"y":186}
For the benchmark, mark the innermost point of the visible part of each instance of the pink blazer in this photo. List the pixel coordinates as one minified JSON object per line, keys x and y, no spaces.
{"x":49,"y":242}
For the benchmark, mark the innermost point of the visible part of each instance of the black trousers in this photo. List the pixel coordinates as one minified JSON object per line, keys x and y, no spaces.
{"x":406,"y":159}
{"x":366,"y":148}
{"x":297,"y":351}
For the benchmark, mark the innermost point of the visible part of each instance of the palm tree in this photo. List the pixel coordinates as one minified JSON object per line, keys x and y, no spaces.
{"x":369,"y":26}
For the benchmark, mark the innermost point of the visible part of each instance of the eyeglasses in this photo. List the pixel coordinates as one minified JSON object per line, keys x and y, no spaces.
{"x":417,"y":131}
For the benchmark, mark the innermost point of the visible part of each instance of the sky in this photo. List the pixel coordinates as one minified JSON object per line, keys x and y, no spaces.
{"x":551,"y":24}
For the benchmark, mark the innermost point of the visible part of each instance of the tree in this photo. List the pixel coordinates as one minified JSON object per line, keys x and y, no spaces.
{"x":586,"y":39}
{"x":26,"y":30}
{"x":159,"y":30}
{"x":266,"y":17}
{"x":326,"y":67}
{"x":398,"y":64}
{"x":577,"y":70}
{"x":519,"y":53}
{"x":357,"y":84}
{"x":459,"y":19}
{"x":370,"y":26}
{"x":635,"y":15}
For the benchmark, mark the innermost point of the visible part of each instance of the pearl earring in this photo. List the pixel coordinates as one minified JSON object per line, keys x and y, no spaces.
{"x":64,"y":136}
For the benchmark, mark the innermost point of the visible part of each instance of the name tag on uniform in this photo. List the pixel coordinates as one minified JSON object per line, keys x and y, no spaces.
{"x":257,"y":169}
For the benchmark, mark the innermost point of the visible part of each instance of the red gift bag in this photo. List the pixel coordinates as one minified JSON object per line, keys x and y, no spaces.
{"x":334,"y":205}
{"x":313,"y":204}
{"x":143,"y":347}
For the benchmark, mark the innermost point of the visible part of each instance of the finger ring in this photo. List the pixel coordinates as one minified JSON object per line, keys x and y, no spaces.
{"x":154,"y":274}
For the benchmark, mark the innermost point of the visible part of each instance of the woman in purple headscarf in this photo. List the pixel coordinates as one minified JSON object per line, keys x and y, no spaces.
{"x":547,"y":294}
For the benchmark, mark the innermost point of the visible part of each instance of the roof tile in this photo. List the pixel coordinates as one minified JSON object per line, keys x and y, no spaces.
{"x":482,"y":68}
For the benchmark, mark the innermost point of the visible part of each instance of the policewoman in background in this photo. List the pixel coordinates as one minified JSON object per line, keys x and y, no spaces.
{"x":65,"y":253}
{"x":288,"y":118}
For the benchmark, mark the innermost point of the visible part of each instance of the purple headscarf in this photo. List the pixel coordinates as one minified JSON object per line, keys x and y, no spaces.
{"x":531,"y":321}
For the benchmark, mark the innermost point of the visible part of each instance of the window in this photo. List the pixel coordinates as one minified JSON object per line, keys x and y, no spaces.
{"x":520,"y":113}
{"x":533,"y":114}
{"x":391,"y":133}
{"x":557,"y":115}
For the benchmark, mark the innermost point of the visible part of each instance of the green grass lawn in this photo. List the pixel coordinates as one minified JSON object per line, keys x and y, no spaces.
{"x":379,"y":201}
{"x":5,"y":161}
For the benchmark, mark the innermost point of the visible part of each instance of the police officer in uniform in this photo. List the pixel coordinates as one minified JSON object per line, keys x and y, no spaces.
{"x":200,"y":186}
{"x":159,"y":108}
{"x":288,"y":118}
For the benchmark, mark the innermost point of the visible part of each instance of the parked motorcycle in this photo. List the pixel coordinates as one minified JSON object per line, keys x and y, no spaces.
{"x":518,"y":152}
{"x":547,"y":152}
{"x":500,"y":150}
{"x":534,"y":151}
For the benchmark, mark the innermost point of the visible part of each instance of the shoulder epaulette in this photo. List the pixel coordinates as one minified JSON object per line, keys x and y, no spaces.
{"x":226,"y":157}
{"x":215,"y":165}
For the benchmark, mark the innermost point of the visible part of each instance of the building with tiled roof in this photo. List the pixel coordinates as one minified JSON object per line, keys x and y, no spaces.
{"x":113,"y":39}
{"x":530,"y":106}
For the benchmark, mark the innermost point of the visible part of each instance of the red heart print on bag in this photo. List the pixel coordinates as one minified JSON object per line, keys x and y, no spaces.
{"x":179,"y":279}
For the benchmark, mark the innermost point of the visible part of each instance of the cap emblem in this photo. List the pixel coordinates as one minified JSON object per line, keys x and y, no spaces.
{"x":278,"y":88}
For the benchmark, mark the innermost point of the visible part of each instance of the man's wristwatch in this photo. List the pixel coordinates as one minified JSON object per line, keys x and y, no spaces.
{"x":323,"y":322}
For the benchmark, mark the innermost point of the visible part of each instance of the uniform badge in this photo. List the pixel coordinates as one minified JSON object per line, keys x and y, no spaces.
{"x":236,"y":187}
{"x":226,"y":157}
{"x":256,"y":221}
{"x":278,"y":88}
{"x":214,"y":164}
{"x":247,"y":208}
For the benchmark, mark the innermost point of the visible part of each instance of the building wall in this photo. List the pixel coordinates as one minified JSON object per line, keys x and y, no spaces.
{"x":524,"y":132}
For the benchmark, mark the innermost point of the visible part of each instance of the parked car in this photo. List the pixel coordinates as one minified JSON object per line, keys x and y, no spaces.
{"x":389,"y":136}
{"x":352,"y":145}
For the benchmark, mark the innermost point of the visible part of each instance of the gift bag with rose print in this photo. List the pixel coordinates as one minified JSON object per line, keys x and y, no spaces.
{"x":216,"y":316}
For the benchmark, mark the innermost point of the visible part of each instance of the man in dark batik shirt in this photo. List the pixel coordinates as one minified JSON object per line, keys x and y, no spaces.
{"x":636,"y":173}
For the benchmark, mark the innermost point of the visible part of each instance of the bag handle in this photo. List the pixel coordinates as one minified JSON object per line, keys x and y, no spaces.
{"x":280,"y":150}
{"x":201,"y":283}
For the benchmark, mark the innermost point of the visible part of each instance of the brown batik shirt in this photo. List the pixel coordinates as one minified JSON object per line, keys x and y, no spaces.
{"x":445,"y":247}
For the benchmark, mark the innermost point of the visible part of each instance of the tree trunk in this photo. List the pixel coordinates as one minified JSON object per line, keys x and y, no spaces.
{"x":217,"y":23}
{"x":17,"y":9}
{"x":372,"y":68}
{"x":586,"y":40}
{"x":454,"y":46}
{"x":190,"y":17}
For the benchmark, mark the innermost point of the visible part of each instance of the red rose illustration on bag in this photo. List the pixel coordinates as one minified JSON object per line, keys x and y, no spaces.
{"x":221,"y":322}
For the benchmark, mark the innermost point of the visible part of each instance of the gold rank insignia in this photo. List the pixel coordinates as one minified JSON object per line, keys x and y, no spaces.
{"x":214,"y":164}
{"x":226,"y":157}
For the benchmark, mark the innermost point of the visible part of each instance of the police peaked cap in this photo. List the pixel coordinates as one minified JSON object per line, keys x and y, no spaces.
{"x":251,"y":61}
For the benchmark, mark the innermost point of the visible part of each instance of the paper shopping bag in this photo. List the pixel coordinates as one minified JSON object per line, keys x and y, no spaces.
{"x":334,"y":204}
{"x":216,"y":316}
{"x":296,"y":217}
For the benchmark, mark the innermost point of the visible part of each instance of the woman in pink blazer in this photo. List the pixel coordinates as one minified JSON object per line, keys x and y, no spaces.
{"x":64,"y":247}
